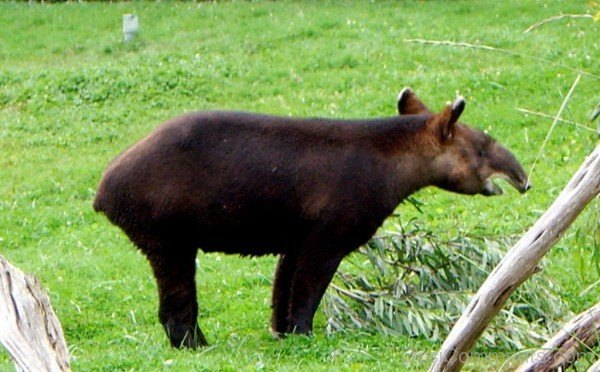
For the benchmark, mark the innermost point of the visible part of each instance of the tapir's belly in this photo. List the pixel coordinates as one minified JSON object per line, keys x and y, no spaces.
{"x":255,"y":235}
{"x":246,"y":226}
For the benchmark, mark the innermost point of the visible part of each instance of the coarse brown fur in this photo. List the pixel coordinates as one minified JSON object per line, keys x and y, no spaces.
{"x":309,"y":190}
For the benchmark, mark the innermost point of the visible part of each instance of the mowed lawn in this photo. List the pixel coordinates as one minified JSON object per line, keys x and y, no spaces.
{"x":72,"y":96}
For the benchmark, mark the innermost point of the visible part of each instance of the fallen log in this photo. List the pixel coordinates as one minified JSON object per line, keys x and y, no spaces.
{"x":562,"y":350}
{"x":519,"y":264}
{"x":29,"y":329}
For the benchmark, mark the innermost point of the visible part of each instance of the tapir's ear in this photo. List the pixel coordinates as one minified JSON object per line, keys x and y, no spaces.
{"x":448,"y":118}
{"x":458,"y":107}
{"x":410,"y":104}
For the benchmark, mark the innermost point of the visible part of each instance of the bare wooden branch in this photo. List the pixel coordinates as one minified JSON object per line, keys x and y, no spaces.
{"x":562,"y":120}
{"x":519,"y":264}
{"x":595,"y":114}
{"x":562,"y":350}
{"x":556,"y":18}
{"x":30,"y":331}
{"x":461,"y":44}
{"x":554,"y":122}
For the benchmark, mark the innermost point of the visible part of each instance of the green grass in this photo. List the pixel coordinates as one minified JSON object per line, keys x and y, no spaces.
{"x":72,"y":96}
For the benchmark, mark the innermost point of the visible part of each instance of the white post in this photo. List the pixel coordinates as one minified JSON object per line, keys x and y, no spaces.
{"x":130,"y":27}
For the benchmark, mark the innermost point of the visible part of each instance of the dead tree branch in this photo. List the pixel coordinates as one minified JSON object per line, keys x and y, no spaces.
{"x":562,"y":350}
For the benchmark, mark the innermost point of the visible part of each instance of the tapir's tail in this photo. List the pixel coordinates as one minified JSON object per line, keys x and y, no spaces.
{"x":106,"y":200}
{"x":98,"y":203}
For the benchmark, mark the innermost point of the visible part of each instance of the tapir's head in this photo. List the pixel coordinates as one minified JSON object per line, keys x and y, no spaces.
{"x":465,"y":160}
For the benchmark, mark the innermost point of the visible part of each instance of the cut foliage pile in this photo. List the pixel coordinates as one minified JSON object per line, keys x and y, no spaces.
{"x":411,"y":282}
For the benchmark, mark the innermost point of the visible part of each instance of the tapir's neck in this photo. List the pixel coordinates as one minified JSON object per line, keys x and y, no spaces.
{"x":409,"y":149}
{"x":411,"y":172}
{"x":398,"y":134}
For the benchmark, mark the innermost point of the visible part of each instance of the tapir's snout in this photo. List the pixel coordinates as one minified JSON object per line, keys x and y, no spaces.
{"x":508,"y":167}
{"x":518,"y":178}
{"x":522,"y":187}
{"x":490,"y":188}
{"x":525,"y":188}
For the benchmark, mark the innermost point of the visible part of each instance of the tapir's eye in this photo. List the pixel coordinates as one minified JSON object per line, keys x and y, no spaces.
{"x":481,"y":153}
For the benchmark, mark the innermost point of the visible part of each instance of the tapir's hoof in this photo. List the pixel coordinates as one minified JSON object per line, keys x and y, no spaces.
{"x":184,"y":337}
{"x":277,"y":335}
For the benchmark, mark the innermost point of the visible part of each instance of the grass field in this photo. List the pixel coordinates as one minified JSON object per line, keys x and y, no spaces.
{"x":72,"y":96}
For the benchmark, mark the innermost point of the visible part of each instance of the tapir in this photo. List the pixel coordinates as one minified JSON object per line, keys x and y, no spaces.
{"x":310,"y":190}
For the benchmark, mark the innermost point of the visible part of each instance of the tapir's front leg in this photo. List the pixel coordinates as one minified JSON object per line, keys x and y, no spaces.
{"x":314,"y":270}
{"x":178,"y":307}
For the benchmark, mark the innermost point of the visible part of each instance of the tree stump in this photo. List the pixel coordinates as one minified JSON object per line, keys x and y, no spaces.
{"x":29,"y":329}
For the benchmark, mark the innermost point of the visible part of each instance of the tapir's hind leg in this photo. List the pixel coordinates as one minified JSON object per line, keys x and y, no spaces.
{"x":314,"y":270}
{"x":178,"y":308}
{"x":281,"y":293}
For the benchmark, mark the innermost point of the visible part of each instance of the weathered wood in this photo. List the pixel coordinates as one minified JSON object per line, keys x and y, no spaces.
{"x":29,"y":329}
{"x":580,"y":334}
{"x":595,"y":367}
{"x":519,"y":264}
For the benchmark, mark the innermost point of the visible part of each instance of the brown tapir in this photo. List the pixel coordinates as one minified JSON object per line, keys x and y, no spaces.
{"x":309,"y":190}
